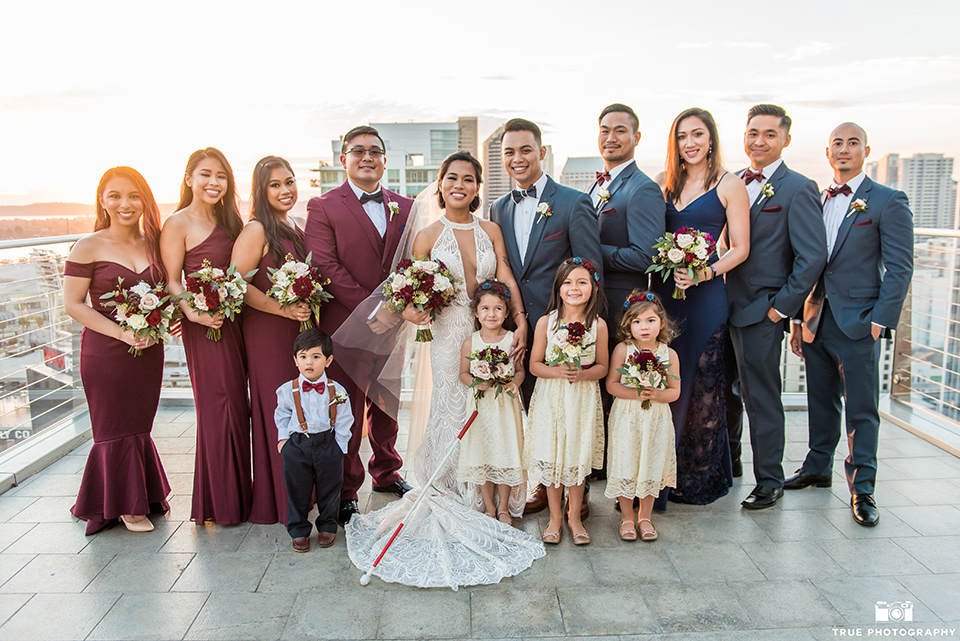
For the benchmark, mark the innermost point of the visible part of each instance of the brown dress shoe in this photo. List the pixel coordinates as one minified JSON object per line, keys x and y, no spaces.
{"x":301,"y":544}
{"x":326,"y":539}
{"x":536,"y":500}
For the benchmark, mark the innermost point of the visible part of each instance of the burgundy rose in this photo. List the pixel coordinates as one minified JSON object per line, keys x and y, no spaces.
{"x":153,"y":318}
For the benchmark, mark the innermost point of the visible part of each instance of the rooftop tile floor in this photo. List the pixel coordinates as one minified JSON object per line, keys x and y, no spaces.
{"x":801,"y":571}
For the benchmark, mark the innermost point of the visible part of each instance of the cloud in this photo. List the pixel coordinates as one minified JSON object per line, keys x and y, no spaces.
{"x":807,"y":50}
{"x":722,"y":45}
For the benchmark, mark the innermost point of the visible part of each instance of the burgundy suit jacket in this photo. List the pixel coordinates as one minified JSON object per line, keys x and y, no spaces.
{"x":348,"y":250}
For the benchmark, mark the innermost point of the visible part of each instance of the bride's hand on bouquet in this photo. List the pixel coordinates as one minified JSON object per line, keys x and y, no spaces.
{"x":299,"y":312}
{"x":415,"y":316}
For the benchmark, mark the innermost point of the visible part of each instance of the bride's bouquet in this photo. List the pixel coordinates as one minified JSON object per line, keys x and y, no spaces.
{"x":493,"y":366}
{"x":428,"y":285}
{"x":215,"y":291}
{"x":297,"y":282}
{"x":569,"y":345}
{"x":644,"y":369}
{"x":686,"y":249}
{"x":144,"y":309}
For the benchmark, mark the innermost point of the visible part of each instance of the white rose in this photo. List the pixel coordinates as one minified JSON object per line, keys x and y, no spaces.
{"x":288,"y":294}
{"x":683,"y":240}
{"x":222,"y":292}
{"x":141,"y":288}
{"x":480,"y":369}
{"x":675,"y":255}
{"x":119,"y":315}
{"x":200,"y":302}
{"x":655,"y":379}
{"x":700,"y":253}
{"x":701,"y":242}
{"x":217,"y":272}
{"x":399,"y":282}
{"x":281,"y":279}
{"x":408,"y":282}
{"x":503,"y":370}
{"x":137,"y":321}
{"x":149,"y":301}
{"x":427,"y":266}
{"x":560,"y":338}
{"x":301,"y":269}
{"x":441,"y":283}
{"x":571,"y":350}
{"x":543,"y":208}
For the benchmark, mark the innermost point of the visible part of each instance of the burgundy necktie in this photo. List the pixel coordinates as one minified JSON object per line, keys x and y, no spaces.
{"x":602,"y":176}
{"x":749,"y":176}
{"x":317,"y":387}
{"x":836,"y":191}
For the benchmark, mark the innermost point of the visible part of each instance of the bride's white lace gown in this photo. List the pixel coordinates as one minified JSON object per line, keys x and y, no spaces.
{"x":446,"y":543}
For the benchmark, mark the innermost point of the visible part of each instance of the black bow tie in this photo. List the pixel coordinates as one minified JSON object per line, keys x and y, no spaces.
{"x":377,"y":197}
{"x":520,"y":194}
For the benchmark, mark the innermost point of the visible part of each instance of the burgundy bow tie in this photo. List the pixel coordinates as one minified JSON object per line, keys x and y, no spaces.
{"x":836,"y":191}
{"x":749,"y":176}
{"x":317,"y":387}
{"x":602,"y":176}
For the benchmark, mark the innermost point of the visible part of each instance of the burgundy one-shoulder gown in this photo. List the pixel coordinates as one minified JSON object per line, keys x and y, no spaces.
{"x":218,"y":374}
{"x":123,"y":473}
{"x":269,"y":341}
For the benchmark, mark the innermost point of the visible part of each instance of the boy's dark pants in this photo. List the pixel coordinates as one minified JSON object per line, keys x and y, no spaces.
{"x":312,"y":462}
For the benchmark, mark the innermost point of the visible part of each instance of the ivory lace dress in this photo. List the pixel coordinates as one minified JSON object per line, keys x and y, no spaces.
{"x":446,"y":543}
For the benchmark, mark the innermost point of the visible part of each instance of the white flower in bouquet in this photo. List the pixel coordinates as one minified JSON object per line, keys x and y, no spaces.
{"x":675,"y":255}
{"x":399,"y":282}
{"x":441,"y":283}
{"x":300,"y":269}
{"x":560,"y":337}
{"x":141,"y":288}
{"x":427,"y":266}
{"x":200,"y":302}
{"x":503,"y":370}
{"x":149,"y":301}
{"x":480,"y":369}
{"x":137,"y":321}
{"x":420,"y":298}
{"x":700,"y":252}
{"x":120,"y":315}
{"x":683,"y":240}
{"x":217,"y":272}
{"x":571,"y":350}
{"x":222,"y":292}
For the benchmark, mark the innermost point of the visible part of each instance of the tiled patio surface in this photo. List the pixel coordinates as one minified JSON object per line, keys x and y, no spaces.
{"x":802,"y":570}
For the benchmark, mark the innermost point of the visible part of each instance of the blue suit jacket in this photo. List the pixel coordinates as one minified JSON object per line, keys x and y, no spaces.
{"x":788,"y":249}
{"x":868,"y":274}
{"x":631,"y":222}
{"x":570,"y":231}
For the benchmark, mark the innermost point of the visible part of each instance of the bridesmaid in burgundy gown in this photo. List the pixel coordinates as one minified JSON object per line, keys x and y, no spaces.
{"x":123,"y":478}
{"x":205,"y":226}
{"x":269,"y":330}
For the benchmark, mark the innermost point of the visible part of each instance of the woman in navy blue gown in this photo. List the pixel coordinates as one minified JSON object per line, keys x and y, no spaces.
{"x":701,"y":194}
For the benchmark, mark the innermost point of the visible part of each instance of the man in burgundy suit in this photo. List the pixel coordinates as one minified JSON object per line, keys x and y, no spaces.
{"x":353,"y":232}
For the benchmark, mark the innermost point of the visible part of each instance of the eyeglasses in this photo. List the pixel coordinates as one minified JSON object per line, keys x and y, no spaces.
{"x":359,"y":152}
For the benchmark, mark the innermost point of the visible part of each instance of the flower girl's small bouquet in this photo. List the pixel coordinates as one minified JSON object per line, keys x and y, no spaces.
{"x":493,"y":366}
{"x":644,"y":369}
{"x":686,"y":249}
{"x":297,"y":282}
{"x":144,"y":309}
{"x":215,"y":291}
{"x":428,"y":285}
{"x":569,"y":345}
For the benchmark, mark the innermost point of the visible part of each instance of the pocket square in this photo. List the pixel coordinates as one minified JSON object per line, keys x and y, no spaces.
{"x":868,"y":221}
{"x":772,"y":209}
{"x":552,"y":236}
{"x":608,"y":211}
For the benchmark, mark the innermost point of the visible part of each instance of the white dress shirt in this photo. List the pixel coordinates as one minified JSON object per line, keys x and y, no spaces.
{"x":316,"y":412}
{"x":614,"y":172}
{"x":836,"y":209}
{"x":376,"y":212}
{"x":525,"y":216}
{"x":753,"y":189}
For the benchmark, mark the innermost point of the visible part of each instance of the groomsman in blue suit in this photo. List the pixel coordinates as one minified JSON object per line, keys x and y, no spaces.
{"x":536,"y":245}
{"x":787,"y":254}
{"x":857,"y":299}
{"x":632,"y":215}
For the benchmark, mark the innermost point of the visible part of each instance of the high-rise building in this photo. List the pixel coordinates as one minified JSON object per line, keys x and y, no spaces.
{"x":927,"y":179}
{"x":496,"y":181}
{"x":467,"y":135}
{"x":886,"y":171}
{"x":581,"y":173}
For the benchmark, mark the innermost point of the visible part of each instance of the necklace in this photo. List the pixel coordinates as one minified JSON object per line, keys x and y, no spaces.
{"x":459,"y":226}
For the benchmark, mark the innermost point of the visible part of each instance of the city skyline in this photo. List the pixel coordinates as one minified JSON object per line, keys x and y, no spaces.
{"x":146,"y":85}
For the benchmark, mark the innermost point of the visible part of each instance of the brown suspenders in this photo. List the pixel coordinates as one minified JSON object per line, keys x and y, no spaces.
{"x":296,"y":402}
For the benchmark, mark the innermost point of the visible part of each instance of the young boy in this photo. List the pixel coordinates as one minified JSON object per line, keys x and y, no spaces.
{"x":313,"y":420}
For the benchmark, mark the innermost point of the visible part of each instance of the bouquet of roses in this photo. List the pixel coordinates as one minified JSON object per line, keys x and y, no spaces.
{"x":428,"y":285}
{"x":569,"y":345}
{"x":213,"y":290}
{"x":493,"y":366}
{"x":144,"y":309}
{"x":297,"y":282}
{"x":685,"y":249}
{"x":644,"y":369}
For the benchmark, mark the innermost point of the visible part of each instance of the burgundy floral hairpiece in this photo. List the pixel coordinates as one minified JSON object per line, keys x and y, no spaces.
{"x":586,"y":264}
{"x":642,"y":298}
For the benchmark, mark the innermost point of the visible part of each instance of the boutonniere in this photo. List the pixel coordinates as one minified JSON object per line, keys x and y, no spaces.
{"x":856,"y":207}
{"x":604,"y":195}
{"x":544,"y":210}
{"x":765,"y":192}
{"x":394,"y":209}
{"x":339,"y":396}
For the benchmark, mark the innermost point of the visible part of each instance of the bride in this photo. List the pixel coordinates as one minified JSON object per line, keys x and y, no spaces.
{"x":447,"y":543}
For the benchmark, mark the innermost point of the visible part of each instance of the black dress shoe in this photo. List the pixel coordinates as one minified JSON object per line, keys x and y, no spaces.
{"x":865,"y":510}
{"x":804,"y":479}
{"x":762,"y":497}
{"x":399,"y":488}
{"x":737,"y":469}
{"x":347,"y":509}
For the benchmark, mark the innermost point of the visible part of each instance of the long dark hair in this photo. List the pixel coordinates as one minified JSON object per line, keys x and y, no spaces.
{"x":675,"y":172}
{"x":226,"y":211}
{"x":598,"y":302}
{"x":262,"y":212}
{"x":150,"y":221}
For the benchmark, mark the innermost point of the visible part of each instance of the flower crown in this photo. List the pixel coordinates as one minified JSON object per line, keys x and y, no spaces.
{"x":586,"y":264}
{"x":641,"y":298}
{"x":497,"y":287}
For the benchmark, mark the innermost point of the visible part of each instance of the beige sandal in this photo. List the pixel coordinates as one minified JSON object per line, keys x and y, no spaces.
{"x":143,"y":525}
{"x":647,"y":536}
{"x":504,"y":517}
{"x":552,"y":538}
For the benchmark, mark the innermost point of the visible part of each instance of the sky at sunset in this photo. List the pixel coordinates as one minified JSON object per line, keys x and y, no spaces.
{"x":89,"y":85}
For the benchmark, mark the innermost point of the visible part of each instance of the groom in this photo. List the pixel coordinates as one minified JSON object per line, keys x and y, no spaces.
{"x":787,"y":254}
{"x":537,"y":244}
{"x":353,"y":234}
